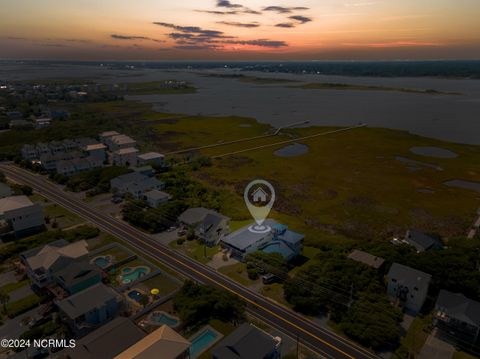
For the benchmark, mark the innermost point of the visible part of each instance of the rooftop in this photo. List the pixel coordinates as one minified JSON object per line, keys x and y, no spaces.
{"x":243,"y":237}
{"x":366,"y":258}
{"x":87,"y":300}
{"x":246,"y":342}
{"x":14,"y":202}
{"x":126,"y":151}
{"x":48,"y":254}
{"x":456,"y":305}
{"x":422,"y":241}
{"x":109,"y":134}
{"x":96,"y":146}
{"x":122,"y":139}
{"x":164,"y":341}
{"x":409,"y":277}
{"x":157,"y":195}
{"x":196,"y":215}
{"x":107,"y":341}
{"x":150,"y":156}
{"x":77,"y":272}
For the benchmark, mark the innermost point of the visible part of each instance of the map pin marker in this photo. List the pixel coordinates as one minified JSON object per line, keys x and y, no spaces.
{"x":259,"y":196}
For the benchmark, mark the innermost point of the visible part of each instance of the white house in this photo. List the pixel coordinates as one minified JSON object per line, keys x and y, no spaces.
{"x":120,"y":141}
{"x":125,"y":157}
{"x":136,"y":184}
{"x":19,"y":216}
{"x":407,"y":286}
{"x":96,"y":150}
{"x":151,"y":158}
{"x":156,"y":198}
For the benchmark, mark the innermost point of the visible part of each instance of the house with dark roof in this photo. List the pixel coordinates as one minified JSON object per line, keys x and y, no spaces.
{"x":107,"y":341}
{"x":209,"y":225}
{"x":277,"y":239}
{"x":422,"y":241}
{"x":457,"y":315}
{"x":407,"y":287}
{"x":77,"y":276}
{"x":90,"y":308}
{"x":164,"y":343}
{"x":366,"y":258}
{"x":136,"y":184}
{"x":248,"y":342}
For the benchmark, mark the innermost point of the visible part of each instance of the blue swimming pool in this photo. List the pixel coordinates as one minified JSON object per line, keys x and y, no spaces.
{"x":135,"y":295}
{"x":132,"y":274}
{"x":160,"y":318}
{"x":202,"y":342}
{"x":102,"y":261}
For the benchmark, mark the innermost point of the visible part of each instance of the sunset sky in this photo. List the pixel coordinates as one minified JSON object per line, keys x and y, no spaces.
{"x":240,"y":29}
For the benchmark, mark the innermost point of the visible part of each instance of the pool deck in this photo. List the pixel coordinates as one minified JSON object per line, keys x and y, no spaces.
{"x":197,"y":334}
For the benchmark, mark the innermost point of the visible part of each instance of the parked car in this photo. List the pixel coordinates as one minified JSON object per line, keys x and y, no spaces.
{"x":269,"y":278}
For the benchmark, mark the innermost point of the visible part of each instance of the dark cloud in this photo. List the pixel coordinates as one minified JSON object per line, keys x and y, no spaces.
{"x":83,"y":41}
{"x":239,"y":24}
{"x":284,"y":9}
{"x":258,"y":42}
{"x":301,"y":19}
{"x":196,"y":47}
{"x":285,"y":24}
{"x":194,"y":30}
{"x":130,"y":37}
{"x":228,"y":4}
{"x":216,"y":12}
{"x":238,"y":8}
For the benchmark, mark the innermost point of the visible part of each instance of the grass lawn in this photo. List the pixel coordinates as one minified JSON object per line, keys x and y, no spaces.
{"x":62,"y":216}
{"x":165,"y":285}
{"x":22,"y":305}
{"x":117,"y":252}
{"x":196,"y":250}
{"x":10,"y":287}
{"x":275,"y":292}
{"x":417,"y":334}
{"x":238,"y":272}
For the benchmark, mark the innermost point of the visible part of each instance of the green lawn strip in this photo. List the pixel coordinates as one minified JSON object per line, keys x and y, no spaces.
{"x":196,"y":250}
{"x":22,"y":305}
{"x":163,"y":283}
{"x":238,"y":272}
{"x":10,"y":287}
{"x":416,"y":335}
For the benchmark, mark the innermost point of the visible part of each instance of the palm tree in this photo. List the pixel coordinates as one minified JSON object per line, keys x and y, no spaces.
{"x":4,"y":299}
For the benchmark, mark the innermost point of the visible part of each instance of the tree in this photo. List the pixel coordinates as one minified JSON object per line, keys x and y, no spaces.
{"x":197,"y":304}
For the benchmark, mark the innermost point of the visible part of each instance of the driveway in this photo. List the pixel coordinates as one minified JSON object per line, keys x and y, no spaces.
{"x":12,"y":328}
{"x":165,"y":237}
{"x":436,"y":348}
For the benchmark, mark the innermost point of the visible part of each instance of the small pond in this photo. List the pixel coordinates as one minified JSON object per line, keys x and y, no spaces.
{"x":475,"y":186}
{"x":433,"y":152}
{"x":295,"y":149}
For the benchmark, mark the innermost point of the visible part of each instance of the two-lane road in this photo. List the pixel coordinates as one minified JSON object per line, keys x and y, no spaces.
{"x":314,"y":337}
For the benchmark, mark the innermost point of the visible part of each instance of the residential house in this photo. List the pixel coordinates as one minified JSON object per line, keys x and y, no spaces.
{"x":164,"y":343}
{"x":156,"y":198}
{"x":367,"y":259}
{"x":144,"y":170}
{"x":407,"y":286}
{"x":107,"y":341}
{"x":125,"y":157}
{"x":105,"y":136}
{"x":276,"y":239}
{"x":457,"y":315}
{"x":422,"y":241}
{"x":78,"y":165}
{"x":19,"y":217}
{"x":90,"y":308}
{"x":5,"y":190}
{"x":77,"y":276}
{"x":43,"y":262}
{"x":65,"y":168}
{"x":151,"y":158}
{"x":209,"y":225}
{"x":119,"y":142}
{"x":97,"y":150}
{"x":29,"y":152}
{"x":136,"y":184}
{"x":248,"y":342}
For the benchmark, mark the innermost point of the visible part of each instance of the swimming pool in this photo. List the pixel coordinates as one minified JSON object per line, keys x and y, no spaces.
{"x":202,"y":341}
{"x":102,"y":261}
{"x":132,"y":274}
{"x":135,"y":295}
{"x":160,"y":318}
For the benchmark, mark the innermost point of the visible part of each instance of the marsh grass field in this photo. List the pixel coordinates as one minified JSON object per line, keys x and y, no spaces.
{"x":348,"y":185}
